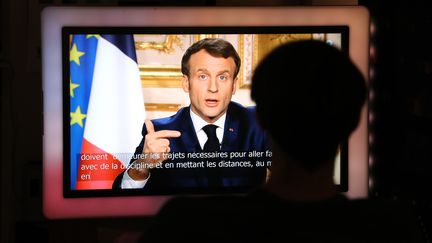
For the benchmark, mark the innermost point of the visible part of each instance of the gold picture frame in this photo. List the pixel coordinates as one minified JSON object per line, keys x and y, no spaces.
{"x":167,"y":45}
{"x":160,"y":76}
{"x":263,"y":44}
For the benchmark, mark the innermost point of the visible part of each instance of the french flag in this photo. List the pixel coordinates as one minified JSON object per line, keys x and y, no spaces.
{"x":107,"y":108}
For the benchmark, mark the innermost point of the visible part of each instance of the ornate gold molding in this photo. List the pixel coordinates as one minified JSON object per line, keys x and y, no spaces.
{"x":162,"y":107}
{"x":203,"y":36}
{"x":241,"y":77}
{"x":160,"y":76}
{"x":167,"y":46}
{"x":264,"y":43}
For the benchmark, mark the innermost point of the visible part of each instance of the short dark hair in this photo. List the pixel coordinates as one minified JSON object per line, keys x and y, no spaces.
{"x":309,"y":97}
{"x":214,"y":46}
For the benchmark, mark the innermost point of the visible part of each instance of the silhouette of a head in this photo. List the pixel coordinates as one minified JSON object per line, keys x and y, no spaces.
{"x":309,"y":97}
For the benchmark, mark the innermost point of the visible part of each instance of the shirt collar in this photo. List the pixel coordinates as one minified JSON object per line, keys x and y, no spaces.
{"x":199,"y":123}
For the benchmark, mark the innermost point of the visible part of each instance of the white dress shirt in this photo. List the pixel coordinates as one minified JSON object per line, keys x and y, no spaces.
{"x":199,"y":123}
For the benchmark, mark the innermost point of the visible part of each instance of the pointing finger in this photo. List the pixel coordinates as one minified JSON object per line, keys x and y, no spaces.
{"x":167,"y":134}
{"x":149,"y":126}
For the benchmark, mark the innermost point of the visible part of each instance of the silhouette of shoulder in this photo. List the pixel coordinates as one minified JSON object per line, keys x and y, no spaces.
{"x":264,"y":217}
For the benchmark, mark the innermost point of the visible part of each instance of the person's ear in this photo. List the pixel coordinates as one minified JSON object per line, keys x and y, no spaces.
{"x":185,"y":83}
{"x":234,"y":85}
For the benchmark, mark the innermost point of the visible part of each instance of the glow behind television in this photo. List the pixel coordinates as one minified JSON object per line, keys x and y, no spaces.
{"x":60,"y":22}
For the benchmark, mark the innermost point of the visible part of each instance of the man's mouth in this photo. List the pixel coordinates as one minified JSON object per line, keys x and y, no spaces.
{"x":211,"y":102}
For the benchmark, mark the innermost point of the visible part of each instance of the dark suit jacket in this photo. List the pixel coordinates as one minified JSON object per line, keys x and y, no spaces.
{"x":262,"y":217}
{"x":242,"y":133}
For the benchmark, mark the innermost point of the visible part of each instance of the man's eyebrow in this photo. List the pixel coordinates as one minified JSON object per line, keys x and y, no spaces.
{"x":224,"y":71}
{"x":218,"y":73}
{"x":202,"y":70}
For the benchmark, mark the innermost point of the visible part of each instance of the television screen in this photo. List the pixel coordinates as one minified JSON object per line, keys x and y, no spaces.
{"x":108,"y":101}
{"x":115,"y":75}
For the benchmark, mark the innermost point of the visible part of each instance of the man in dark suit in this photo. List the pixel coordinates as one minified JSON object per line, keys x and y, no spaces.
{"x":192,"y":150}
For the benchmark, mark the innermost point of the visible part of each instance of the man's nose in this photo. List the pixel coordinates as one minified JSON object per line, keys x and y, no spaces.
{"x":213,"y":85}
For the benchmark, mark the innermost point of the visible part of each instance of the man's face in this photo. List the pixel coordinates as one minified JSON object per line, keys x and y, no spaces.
{"x":210,"y":85}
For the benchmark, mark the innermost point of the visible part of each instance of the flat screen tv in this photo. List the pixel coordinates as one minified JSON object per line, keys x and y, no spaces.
{"x":106,"y":70}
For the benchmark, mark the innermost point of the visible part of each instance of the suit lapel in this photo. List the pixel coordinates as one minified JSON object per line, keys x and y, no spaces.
{"x":189,"y":138}
{"x":231,"y":131}
{"x":190,"y":144}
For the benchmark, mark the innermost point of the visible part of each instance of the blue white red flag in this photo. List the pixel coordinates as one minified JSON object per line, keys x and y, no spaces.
{"x":106,"y":108}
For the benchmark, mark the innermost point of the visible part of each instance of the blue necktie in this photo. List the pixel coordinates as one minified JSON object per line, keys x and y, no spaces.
{"x":212,"y":143}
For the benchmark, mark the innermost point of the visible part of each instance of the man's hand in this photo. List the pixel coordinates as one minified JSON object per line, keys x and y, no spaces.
{"x":155,"y":145}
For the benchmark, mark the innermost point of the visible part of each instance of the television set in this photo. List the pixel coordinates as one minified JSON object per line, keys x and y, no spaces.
{"x":91,"y":128}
